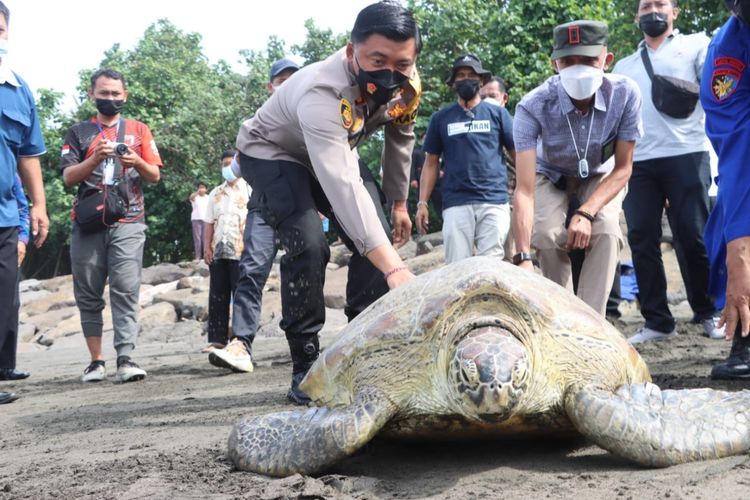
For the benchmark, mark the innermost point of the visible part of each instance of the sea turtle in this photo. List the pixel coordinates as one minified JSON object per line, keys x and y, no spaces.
{"x":483,"y":348}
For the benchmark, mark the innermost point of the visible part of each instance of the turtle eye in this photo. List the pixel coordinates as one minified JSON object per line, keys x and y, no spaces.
{"x":469,"y":372}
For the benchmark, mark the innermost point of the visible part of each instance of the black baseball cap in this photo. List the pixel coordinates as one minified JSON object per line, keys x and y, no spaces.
{"x":280,"y":66}
{"x":469,"y":61}
{"x":579,"y":38}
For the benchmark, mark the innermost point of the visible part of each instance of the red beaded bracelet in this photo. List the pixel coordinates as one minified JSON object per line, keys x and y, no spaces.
{"x":394,"y":271}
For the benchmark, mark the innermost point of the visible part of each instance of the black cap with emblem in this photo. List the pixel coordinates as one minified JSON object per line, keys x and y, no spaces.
{"x":469,"y":61}
{"x":579,"y":38}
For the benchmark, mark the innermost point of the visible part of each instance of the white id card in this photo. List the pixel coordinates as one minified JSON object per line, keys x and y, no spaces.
{"x":109,"y":171}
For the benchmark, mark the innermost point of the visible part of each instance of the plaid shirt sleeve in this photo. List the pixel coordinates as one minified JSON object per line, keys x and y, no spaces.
{"x":526,"y":127}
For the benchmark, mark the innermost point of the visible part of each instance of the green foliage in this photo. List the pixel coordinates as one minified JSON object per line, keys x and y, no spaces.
{"x":319,"y":43}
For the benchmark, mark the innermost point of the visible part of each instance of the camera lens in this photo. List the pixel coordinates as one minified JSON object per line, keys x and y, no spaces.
{"x":121,"y":149}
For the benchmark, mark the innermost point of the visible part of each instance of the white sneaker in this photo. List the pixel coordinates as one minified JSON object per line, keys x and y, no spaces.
{"x":647,"y":335}
{"x":95,"y":372}
{"x":712,"y":330}
{"x":128,"y":371}
{"x":234,"y":356}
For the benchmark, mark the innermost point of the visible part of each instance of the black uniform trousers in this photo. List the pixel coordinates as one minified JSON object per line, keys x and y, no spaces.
{"x":289,"y":199}
{"x":223,"y":281}
{"x":684,"y":181}
{"x":8,"y":296}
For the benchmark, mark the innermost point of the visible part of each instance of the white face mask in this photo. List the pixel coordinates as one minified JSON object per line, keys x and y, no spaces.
{"x":581,"y":81}
{"x":3,"y":46}
{"x":493,"y":101}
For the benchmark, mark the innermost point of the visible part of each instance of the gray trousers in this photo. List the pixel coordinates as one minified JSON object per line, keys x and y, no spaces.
{"x":116,"y":253}
{"x":255,"y":265}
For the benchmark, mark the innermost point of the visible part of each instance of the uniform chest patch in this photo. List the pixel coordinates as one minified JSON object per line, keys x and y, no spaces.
{"x":345,"y":108}
{"x":726,"y":77}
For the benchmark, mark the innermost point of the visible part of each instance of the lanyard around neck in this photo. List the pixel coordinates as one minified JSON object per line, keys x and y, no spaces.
{"x":583,"y":164}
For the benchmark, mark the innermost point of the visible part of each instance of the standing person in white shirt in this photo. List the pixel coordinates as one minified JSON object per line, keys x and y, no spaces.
{"x":199,"y":202}
{"x":226,"y":215}
{"x":671,"y":168}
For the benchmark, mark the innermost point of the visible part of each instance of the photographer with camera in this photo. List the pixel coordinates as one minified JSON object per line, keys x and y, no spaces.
{"x":109,"y":157}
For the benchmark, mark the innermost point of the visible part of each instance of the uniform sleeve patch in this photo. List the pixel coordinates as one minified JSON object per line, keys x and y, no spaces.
{"x":724,"y":83}
{"x":345,"y":108}
{"x":726,"y":77}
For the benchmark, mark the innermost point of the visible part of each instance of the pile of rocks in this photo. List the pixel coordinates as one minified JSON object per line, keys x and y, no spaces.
{"x":174,"y":292}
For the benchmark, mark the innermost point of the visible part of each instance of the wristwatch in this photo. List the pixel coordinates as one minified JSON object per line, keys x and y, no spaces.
{"x":521,"y":257}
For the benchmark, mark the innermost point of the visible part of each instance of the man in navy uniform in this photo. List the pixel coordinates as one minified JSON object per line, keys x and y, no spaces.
{"x":725,"y":96}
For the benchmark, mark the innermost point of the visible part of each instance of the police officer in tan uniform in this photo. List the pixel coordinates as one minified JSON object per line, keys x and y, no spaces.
{"x":298,"y":154}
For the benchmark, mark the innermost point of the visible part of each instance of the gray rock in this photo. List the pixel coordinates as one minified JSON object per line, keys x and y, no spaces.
{"x":201,"y":269}
{"x":334,"y":301}
{"x":164,"y":273}
{"x":193,"y":282}
{"x":408,"y":250}
{"x":428,"y":262}
{"x":52,"y":319}
{"x":148,"y":292}
{"x":424,"y":247}
{"x":435,"y":239}
{"x":190,"y":304}
{"x":31,"y":296}
{"x":332,"y":266}
{"x":58,"y":282}
{"x":340,"y":255}
{"x":157,"y":314}
{"x":29,"y":285}
{"x":26,"y":332}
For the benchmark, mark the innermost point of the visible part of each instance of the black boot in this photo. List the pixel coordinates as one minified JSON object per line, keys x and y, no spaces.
{"x":737,"y":365}
{"x":304,"y":350}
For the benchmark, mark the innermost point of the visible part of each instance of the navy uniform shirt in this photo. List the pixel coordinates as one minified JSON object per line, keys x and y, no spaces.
{"x":471,"y":143}
{"x":725,"y":96}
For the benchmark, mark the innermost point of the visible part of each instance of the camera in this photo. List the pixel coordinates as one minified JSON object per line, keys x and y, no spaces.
{"x":121,"y":149}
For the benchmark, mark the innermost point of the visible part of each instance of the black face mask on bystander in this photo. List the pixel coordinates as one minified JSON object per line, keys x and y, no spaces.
{"x":109,"y":107}
{"x":467,"y":89}
{"x":653,"y":24}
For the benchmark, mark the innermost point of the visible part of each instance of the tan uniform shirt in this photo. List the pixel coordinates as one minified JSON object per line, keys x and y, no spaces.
{"x":316,"y":118}
{"x":227,"y":211}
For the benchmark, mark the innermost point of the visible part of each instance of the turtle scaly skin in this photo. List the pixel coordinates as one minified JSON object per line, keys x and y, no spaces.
{"x":482,"y":348}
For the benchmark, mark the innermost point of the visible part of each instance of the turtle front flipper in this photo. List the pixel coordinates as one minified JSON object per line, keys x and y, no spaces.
{"x":307,"y":441}
{"x":656,"y":428}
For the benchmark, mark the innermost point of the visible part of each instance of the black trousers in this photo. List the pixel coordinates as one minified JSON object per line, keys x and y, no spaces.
{"x":289,"y":199}
{"x":223,"y":281}
{"x":9,"y":300}
{"x":684,"y":181}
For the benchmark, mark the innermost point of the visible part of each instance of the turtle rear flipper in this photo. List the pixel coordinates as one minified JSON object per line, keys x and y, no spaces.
{"x":658,"y":428}
{"x":307,"y":441}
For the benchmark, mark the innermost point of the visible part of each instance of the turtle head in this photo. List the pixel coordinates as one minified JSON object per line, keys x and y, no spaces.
{"x":489,"y":371}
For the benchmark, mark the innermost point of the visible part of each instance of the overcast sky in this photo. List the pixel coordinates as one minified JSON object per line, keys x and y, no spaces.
{"x":51,"y":40}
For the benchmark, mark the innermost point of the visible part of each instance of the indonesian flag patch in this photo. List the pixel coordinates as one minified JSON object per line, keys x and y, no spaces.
{"x":65,"y":150}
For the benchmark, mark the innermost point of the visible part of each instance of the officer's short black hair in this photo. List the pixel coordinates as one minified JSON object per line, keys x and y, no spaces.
{"x":638,"y":4}
{"x":227,"y":154}
{"x":389,"y":19}
{"x":504,"y":87}
{"x":5,"y":12}
{"x":109,"y":73}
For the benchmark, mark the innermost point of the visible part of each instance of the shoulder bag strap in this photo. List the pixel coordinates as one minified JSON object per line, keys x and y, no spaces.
{"x":647,"y":62}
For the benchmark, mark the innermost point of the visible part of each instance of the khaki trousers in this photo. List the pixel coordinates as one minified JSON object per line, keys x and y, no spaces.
{"x":550,"y":235}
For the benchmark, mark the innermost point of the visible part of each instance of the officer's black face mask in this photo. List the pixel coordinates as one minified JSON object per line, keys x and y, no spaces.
{"x":740,"y":8}
{"x":467,"y":89}
{"x":379,"y":86}
{"x":653,"y":24}
{"x":109,"y":107}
